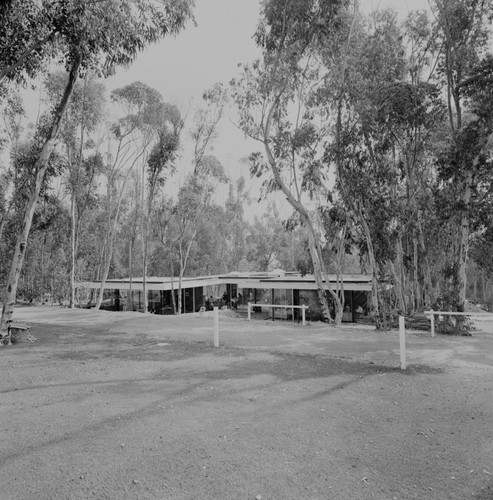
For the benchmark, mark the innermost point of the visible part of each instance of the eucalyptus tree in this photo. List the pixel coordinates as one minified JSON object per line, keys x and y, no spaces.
{"x":180,"y":227}
{"x":365,"y":172}
{"x":211,"y":250}
{"x":235,"y":228}
{"x":45,"y":275}
{"x":12,"y":111}
{"x":206,"y":123}
{"x":83,"y":115}
{"x":266,"y":241}
{"x":160,"y":165}
{"x":390,"y":135}
{"x":23,"y":159}
{"x":387,"y":117}
{"x":163,"y":223}
{"x":192,"y":209}
{"x":276,"y":100}
{"x":413,"y":112}
{"x":207,"y":169}
{"x":112,"y":32}
{"x":180,"y":222}
{"x":128,"y":145}
{"x":478,"y":91}
{"x":481,"y":250}
{"x":464,"y":30}
{"x":221,"y":232}
{"x":95,"y":35}
{"x":27,"y":32}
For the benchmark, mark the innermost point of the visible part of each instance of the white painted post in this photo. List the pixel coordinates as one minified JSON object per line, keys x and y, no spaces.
{"x":432,"y":323}
{"x":402,"y":342}
{"x":303,"y":316}
{"x":249,"y":312}
{"x":216,"y":326}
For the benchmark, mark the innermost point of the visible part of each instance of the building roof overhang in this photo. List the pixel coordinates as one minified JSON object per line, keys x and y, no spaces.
{"x":271,"y":280}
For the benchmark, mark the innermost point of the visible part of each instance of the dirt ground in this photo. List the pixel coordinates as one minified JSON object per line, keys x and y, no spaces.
{"x":126,"y":406}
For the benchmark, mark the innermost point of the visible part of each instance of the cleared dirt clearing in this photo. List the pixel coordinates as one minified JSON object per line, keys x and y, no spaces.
{"x":143,"y":407}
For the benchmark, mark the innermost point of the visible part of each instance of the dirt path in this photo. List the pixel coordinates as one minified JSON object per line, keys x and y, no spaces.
{"x":112,"y":406}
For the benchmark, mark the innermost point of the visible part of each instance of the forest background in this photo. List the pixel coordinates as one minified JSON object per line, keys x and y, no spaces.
{"x":375,"y":130}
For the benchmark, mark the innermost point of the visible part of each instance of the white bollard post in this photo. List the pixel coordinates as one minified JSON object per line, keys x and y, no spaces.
{"x":216,"y":326}
{"x":303,"y":315}
{"x":402,"y":341}
{"x":432,"y":323}
{"x":249,"y":312}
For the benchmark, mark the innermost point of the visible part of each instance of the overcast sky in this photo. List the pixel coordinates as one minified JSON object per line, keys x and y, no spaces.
{"x":182,"y":68}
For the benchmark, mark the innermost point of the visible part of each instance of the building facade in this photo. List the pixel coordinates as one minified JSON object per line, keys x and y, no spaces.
{"x":235,"y":290}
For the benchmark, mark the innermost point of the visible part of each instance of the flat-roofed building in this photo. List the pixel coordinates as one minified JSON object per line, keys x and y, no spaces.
{"x":235,"y":290}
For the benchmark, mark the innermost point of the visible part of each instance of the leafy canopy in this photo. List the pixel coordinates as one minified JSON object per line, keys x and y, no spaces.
{"x":105,"y":33}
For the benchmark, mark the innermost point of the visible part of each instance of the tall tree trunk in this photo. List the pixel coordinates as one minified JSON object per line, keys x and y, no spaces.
{"x":319,"y":272}
{"x":104,"y":246}
{"x":112,"y":220}
{"x":133,"y":237}
{"x":464,"y":228}
{"x":41,"y":274}
{"x":110,"y":241}
{"x":180,"y":277}
{"x":464,"y":243}
{"x":429,"y":295}
{"x":173,"y":301}
{"x":145,"y":218}
{"x":398,"y":288}
{"x":144,"y":274}
{"x":72,"y":251}
{"x":180,"y":302}
{"x":418,"y":296}
{"x":106,"y":266}
{"x":399,"y":276}
{"x":428,"y":284}
{"x":340,"y":261}
{"x":74,"y":222}
{"x":130,"y":299}
{"x":40,"y":166}
{"x":183,"y":264}
{"x":374,"y":271}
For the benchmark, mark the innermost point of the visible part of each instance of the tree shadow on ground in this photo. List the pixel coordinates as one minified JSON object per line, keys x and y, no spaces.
{"x":85,"y":344}
{"x":294,"y":366}
{"x":182,"y":383}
